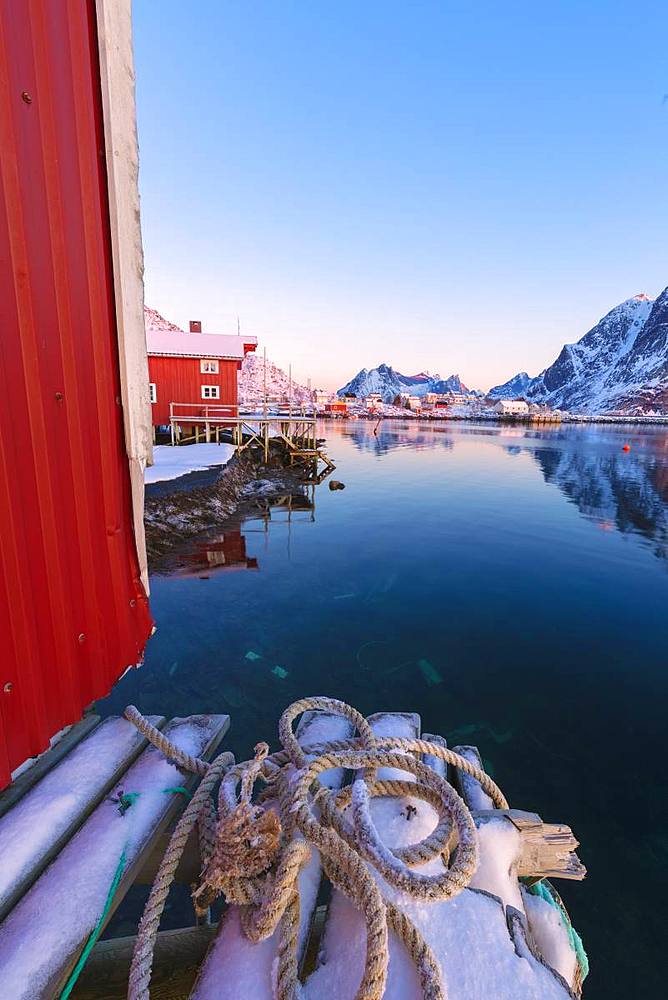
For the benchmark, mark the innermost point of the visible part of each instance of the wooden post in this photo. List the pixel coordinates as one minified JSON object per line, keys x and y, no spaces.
{"x":207,"y":431}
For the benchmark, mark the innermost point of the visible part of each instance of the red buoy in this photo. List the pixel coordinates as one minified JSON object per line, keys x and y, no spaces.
{"x":627,"y":447}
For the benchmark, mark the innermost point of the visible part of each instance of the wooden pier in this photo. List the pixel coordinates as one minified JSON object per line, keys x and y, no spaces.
{"x":110,"y":800}
{"x":294,"y":432}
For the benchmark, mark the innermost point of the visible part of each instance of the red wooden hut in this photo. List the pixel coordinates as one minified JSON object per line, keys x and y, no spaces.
{"x":75,"y":430}
{"x":192,"y":368}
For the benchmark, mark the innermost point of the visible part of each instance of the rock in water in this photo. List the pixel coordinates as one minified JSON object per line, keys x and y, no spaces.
{"x":336,"y":485}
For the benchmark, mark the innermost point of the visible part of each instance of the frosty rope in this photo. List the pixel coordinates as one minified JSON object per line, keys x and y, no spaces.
{"x":254,"y":856}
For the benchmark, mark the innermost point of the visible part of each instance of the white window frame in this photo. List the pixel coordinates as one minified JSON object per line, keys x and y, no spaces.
{"x":209,"y":366}
{"x":153,"y":392}
{"x":210,"y":392}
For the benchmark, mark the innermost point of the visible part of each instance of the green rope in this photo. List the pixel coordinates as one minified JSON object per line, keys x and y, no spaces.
{"x":541,"y":890}
{"x":90,"y":943}
{"x":125,"y":800}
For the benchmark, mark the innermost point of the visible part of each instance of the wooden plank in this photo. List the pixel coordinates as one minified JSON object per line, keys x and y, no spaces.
{"x":233,"y":960}
{"x":548,"y":849}
{"x":470,"y":789}
{"x":43,"y":764}
{"x":406,"y":725}
{"x":436,"y":763}
{"x":190,"y":865}
{"x":44,"y":934}
{"x":47,"y":817}
{"x":176,"y":959}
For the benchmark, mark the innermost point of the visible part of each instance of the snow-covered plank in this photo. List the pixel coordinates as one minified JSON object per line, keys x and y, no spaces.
{"x":176,"y":959}
{"x":550,"y":935}
{"x":29,"y":773}
{"x":235,"y":967}
{"x":435,"y":763}
{"x":470,"y":789}
{"x":468,"y":934}
{"x":547,"y":850}
{"x":405,"y":725}
{"x":46,"y":817}
{"x":43,"y":935}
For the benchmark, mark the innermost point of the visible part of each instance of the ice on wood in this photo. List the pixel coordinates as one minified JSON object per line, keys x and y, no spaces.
{"x":52,"y":922}
{"x":404,"y":725}
{"x":49,"y":809}
{"x":472,"y":791}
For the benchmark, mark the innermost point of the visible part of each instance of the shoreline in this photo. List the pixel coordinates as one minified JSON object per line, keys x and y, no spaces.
{"x":658,"y":420}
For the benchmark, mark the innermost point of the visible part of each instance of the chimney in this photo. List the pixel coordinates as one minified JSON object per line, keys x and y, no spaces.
{"x":195,"y":326}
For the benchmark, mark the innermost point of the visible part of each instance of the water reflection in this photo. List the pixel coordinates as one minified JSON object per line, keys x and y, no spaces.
{"x":617,"y":490}
{"x":223,"y":552}
{"x":612,"y":490}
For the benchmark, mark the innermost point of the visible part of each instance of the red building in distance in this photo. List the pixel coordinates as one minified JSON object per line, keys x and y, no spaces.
{"x":194,"y":368}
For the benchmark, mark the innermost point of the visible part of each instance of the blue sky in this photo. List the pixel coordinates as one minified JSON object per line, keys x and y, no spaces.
{"x":458,"y":187}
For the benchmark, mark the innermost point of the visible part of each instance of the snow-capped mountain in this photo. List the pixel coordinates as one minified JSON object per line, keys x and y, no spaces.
{"x":251,"y":382}
{"x":621,"y":364}
{"x":515,"y":388}
{"x":390,"y":383}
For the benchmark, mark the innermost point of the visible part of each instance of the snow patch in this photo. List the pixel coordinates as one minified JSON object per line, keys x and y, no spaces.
{"x":171,"y":462}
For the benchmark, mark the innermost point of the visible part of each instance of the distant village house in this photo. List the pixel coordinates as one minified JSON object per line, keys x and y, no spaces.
{"x":512,"y":407}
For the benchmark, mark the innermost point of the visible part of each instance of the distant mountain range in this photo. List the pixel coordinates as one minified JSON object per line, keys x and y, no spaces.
{"x":390,"y":383}
{"x":621,"y":364}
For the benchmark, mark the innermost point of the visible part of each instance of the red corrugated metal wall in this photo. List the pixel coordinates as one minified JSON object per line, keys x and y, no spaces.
{"x":179,"y":380}
{"x":73,"y":613}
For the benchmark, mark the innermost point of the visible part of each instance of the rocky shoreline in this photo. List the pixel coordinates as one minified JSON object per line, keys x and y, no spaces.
{"x":177,"y":512}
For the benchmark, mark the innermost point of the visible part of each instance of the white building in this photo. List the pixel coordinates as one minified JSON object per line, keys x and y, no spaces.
{"x":512,"y":407}
{"x":414,"y":403}
{"x":374,"y":401}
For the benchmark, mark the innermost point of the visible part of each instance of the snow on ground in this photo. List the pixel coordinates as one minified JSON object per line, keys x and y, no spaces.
{"x":171,"y":462}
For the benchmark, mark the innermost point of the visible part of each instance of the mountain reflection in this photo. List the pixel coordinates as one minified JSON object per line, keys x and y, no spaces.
{"x":618,"y":492}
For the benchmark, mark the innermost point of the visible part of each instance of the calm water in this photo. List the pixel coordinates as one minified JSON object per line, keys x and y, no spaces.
{"x":510,"y":585}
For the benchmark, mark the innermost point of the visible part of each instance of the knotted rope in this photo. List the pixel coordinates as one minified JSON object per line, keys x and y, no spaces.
{"x":253,"y":852}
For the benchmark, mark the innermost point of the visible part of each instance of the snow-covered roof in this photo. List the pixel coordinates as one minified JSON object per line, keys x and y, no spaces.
{"x":172,"y":343}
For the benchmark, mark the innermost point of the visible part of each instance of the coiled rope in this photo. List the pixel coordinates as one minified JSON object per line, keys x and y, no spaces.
{"x":252,"y":853}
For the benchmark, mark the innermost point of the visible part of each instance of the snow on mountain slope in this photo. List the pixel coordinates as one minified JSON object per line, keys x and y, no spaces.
{"x":620,"y":364}
{"x":251,"y":382}
{"x":515,"y":388}
{"x":153,"y":320}
{"x":390,"y":383}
